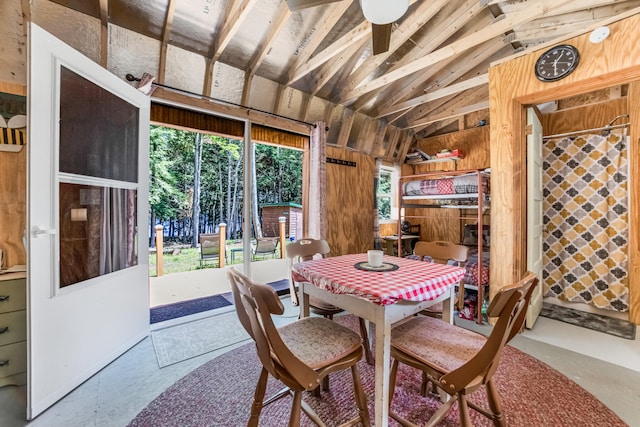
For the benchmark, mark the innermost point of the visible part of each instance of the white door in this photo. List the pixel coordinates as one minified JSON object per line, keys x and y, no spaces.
{"x":534,"y":212}
{"x":87,"y":250}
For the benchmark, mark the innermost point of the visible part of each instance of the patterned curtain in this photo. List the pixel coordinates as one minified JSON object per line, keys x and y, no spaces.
{"x":377,"y":241}
{"x":586,"y":220}
{"x":318,"y":182}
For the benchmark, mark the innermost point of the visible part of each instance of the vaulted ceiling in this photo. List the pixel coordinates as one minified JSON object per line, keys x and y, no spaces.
{"x":317,"y":63}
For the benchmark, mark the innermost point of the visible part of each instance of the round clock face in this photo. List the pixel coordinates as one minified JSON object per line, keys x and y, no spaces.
{"x":557,"y":62}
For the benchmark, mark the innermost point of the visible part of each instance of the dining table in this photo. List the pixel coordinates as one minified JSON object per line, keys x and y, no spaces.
{"x":383,"y":295}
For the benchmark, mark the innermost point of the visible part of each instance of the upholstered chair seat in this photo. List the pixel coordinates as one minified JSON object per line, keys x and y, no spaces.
{"x":445,"y":346}
{"x":318,"y":341}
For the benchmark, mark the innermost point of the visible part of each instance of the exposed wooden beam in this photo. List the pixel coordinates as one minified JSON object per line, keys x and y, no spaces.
{"x":104,"y":33}
{"x":537,"y":9}
{"x":437,"y":94}
{"x":345,"y":128}
{"x":454,"y":113}
{"x":246,"y":89}
{"x":394,"y":136}
{"x":164,"y":43}
{"x":319,"y":33}
{"x":170,"y":97}
{"x":410,"y":24}
{"x":335,"y":66}
{"x":343,"y":43}
{"x":275,"y":27}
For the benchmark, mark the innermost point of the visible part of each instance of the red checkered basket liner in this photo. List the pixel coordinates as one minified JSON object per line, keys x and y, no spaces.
{"x":413,"y":281}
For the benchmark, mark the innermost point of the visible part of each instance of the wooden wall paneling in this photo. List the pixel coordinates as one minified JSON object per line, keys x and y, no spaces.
{"x":584,"y":117}
{"x":512,"y":86}
{"x":349,"y":202}
{"x":448,"y":224}
{"x":474,"y":142}
{"x":13,"y":195}
{"x":388,"y":228}
{"x":13,"y":205}
{"x":634,"y":200}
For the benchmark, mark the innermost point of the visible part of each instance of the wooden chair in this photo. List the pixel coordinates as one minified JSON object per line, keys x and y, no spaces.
{"x":442,"y":252}
{"x":305,"y":250}
{"x":209,"y":248}
{"x":264,"y":247}
{"x":299,"y":354}
{"x":460,"y":361}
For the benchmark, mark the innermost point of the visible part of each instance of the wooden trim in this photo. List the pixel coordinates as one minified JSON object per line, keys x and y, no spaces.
{"x":512,"y":86}
{"x":633,"y":97}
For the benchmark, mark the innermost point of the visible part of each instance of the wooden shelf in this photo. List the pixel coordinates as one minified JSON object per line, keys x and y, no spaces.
{"x":437,"y":160}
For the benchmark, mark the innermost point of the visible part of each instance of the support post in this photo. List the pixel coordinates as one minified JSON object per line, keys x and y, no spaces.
{"x":282,"y":221}
{"x":223,"y":244}
{"x":159,"y":244}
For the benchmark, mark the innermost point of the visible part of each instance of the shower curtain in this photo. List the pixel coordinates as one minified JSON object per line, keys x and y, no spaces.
{"x":586,"y":220}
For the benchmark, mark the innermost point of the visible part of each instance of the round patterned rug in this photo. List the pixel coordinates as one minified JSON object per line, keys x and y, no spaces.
{"x":220,"y":392}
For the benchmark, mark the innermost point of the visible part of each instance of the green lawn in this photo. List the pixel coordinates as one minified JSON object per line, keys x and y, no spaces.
{"x":188,"y":259}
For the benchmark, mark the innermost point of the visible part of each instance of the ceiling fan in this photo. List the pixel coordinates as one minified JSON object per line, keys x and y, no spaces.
{"x":381,"y":13}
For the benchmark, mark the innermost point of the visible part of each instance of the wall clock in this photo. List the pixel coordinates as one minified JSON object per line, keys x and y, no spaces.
{"x":557,"y":63}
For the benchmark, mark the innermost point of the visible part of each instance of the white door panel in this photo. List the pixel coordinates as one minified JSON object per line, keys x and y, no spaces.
{"x":534,"y":212}
{"x":74,"y":331}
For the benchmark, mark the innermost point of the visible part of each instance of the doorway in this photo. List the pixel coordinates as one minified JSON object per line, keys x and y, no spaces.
{"x":586,"y":219}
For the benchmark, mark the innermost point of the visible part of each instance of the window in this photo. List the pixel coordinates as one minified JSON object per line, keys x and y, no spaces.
{"x":386,"y":195}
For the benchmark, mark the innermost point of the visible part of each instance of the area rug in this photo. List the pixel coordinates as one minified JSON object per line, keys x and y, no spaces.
{"x":187,"y":340}
{"x":608,"y":325}
{"x":219,"y":393}
{"x":185,"y":308}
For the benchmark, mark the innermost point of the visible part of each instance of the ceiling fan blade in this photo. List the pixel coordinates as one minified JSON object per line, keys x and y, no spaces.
{"x":295,"y":5}
{"x":381,"y":37}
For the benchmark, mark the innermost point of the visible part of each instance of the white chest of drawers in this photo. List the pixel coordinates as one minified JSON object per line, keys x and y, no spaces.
{"x":13,"y":329}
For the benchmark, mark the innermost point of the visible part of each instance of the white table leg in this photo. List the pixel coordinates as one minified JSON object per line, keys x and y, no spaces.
{"x":383,"y":364}
{"x":448,"y":306}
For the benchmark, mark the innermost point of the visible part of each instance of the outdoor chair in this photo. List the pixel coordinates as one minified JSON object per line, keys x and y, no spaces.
{"x":305,"y":250}
{"x":460,"y":361}
{"x":442,"y":252}
{"x":210,"y":248}
{"x":299,"y":354}
{"x":264,"y":247}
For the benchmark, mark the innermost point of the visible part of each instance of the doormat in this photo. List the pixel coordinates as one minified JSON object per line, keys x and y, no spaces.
{"x":185,"y":308}
{"x":187,"y":340}
{"x":608,"y":325}
{"x":280,"y":286}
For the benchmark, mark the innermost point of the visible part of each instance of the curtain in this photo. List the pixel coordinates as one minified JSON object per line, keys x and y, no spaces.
{"x":117,"y":248}
{"x":377,"y":241}
{"x":318,"y":182}
{"x":586,"y":220}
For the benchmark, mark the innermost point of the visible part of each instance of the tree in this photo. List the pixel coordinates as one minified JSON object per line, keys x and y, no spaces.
{"x":197,"y":166}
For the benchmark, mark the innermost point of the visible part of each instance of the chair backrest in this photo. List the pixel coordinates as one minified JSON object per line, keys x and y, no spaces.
{"x":507,"y":306}
{"x":209,"y":245}
{"x":265,"y":246}
{"x":441,"y":251}
{"x":306,"y":249}
{"x":255,"y":303}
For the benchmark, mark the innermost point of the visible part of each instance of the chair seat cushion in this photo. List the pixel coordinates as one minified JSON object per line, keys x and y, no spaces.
{"x":319,"y":342}
{"x":436,"y":343}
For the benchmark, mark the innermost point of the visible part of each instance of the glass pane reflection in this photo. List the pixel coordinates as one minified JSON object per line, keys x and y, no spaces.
{"x":97,"y":231}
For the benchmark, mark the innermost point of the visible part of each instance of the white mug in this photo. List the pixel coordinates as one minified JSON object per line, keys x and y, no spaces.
{"x":374,"y":258}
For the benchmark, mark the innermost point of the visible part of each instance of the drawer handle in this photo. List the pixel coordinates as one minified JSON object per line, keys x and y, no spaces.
{"x":4,"y":362}
{"x":4,"y":329}
{"x":4,"y":297}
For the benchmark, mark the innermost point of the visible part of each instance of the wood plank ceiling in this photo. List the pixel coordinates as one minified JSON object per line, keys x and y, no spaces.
{"x":317,"y":63}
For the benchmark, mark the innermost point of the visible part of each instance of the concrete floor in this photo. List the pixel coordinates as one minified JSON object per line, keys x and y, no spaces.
{"x":606,"y":366}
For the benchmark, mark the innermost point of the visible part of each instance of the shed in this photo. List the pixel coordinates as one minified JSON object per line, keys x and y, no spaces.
{"x":291,"y":211}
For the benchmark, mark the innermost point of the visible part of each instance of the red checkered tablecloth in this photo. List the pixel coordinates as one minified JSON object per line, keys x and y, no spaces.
{"x":413,"y":280}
